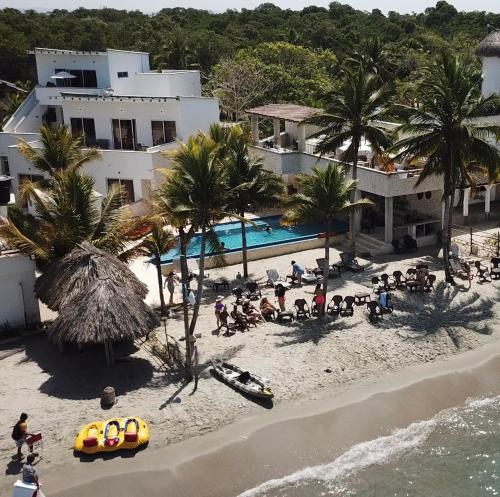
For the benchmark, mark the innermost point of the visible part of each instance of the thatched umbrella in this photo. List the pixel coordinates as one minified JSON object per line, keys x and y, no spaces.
{"x":103,"y":313}
{"x":490,"y":46}
{"x":66,"y":277}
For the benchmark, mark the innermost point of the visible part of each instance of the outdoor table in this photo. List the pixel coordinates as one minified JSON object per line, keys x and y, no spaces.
{"x":362,"y":298}
{"x":285,"y":315}
{"x":224,"y":284}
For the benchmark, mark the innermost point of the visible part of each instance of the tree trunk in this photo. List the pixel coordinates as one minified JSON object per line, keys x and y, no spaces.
{"x":244,"y":247}
{"x":160,"y":286}
{"x":353,"y":215}
{"x":199,"y":291}
{"x":110,"y":356}
{"x":449,"y":228}
{"x":326,"y":268}
{"x":184,"y":278}
{"x":446,"y":242}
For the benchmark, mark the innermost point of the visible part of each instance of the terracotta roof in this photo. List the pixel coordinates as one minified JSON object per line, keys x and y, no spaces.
{"x":490,"y":46}
{"x":288,"y":112}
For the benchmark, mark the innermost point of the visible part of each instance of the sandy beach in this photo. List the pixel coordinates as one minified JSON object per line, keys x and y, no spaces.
{"x":312,"y":363}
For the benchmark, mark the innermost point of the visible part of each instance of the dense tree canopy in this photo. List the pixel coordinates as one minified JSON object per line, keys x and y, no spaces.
{"x":181,"y":37}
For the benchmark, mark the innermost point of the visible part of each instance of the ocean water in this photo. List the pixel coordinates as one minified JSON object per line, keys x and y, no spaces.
{"x":454,"y":454}
{"x":230,"y":234}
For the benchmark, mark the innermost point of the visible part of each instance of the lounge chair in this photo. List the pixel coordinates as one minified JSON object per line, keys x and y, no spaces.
{"x":253,"y":290}
{"x":301,"y":309}
{"x":347,"y":261}
{"x":482,"y":272}
{"x":461,"y":270}
{"x":495,"y":268}
{"x":388,"y":282}
{"x":411,"y":279}
{"x":348,"y":308}
{"x":374,"y":313}
{"x":238,"y":293}
{"x":399,"y":279}
{"x":429,"y":282}
{"x":333,"y":271}
{"x":273,"y":278}
{"x":310,"y":277}
{"x":334,"y":306}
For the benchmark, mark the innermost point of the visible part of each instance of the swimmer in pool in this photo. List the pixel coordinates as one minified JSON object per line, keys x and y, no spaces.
{"x":269,"y":229}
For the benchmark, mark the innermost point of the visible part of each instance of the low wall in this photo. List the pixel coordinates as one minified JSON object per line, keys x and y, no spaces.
{"x":262,"y":252}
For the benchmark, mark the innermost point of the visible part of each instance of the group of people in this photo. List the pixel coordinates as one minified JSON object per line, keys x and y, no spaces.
{"x":248,"y":311}
{"x":20,"y":434}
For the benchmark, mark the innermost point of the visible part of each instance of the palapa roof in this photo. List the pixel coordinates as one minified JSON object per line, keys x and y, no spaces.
{"x":76,"y":271}
{"x":288,"y":112}
{"x":490,"y":46}
{"x":104,"y":312}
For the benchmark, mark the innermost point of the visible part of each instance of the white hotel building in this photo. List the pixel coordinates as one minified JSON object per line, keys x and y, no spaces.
{"x":400,"y":205}
{"x":129,"y":112}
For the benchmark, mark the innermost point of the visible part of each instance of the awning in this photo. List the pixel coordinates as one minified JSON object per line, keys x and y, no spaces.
{"x":63,"y":75}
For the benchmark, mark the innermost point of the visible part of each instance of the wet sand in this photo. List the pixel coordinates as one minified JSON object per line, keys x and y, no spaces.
{"x":253,"y":450}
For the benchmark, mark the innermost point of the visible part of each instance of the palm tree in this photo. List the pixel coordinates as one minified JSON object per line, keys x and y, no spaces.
{"x":11,"y":104}
{"x":250,"y":183}
{"x":353,"y":113}
{"x":60,"y":150}
{"x":324,"y":195}
{"x":195,"y":198}
{"x":446,"y":135}
{"x":159,"y":241}
{"x":67,"y":214}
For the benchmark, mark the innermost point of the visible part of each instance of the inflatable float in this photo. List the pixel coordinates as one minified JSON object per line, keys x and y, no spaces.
{"x":112,"y":434}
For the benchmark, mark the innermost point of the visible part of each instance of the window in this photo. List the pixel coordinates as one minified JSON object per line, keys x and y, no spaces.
{"x":163,"y":132}
{"x":124,"y":134}
{"x":127,"y":186}
{"x":4,"y":166}
{"x":83,"y":78}
{"x":123,"y":74}
{"x":84,"y":126}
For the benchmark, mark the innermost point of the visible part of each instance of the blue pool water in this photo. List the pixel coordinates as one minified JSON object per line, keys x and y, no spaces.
{"x":230,"y":234}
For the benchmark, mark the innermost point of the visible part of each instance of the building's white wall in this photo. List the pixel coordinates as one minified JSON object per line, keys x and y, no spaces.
{"x":197,"y":114}
{"x":491,"y":75}
{"x":18,"y":304}
{"x":131,"y":62}
{"x":46,"y":65}
{"x":167,"y":84}
{"x":121,"y":164}
{"x":143,"y":112}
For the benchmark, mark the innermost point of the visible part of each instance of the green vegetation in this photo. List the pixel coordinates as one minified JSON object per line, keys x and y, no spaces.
{"x":446,"y":136}
{"x":66,"y":206}
{"x":326,"y":193}
{"x":299,"y":51}
{"x":351,"y":114}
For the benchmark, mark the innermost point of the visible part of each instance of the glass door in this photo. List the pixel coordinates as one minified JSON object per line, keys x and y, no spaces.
{"x":124,"y":134}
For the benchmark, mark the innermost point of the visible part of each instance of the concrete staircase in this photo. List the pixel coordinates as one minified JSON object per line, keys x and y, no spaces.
{"x":369,"y":244}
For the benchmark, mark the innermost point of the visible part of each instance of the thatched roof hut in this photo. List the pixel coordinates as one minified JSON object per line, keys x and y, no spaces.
{"x":105,"y":312}
{"x":67,"y":277}
{"x":490,"y":46}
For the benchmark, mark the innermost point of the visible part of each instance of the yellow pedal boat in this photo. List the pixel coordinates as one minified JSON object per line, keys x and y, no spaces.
{"x":112,"y":434}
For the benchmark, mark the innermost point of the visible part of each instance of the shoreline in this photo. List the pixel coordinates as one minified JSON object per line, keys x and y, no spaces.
{"x":295,"y":435}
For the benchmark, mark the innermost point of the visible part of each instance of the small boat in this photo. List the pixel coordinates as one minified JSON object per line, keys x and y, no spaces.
{"x":245,"y":381}
{"x":112,"y":434}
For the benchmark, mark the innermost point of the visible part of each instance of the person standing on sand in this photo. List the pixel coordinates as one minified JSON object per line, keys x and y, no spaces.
{"x":319,"y":299}
{"x":218,"y":308}
{"x":20,"y":434}
{"x":170,"y":285}
{"x":280,"y":291}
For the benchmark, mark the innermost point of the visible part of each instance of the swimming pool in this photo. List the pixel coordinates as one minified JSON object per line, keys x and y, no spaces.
{"x":230,"y":234}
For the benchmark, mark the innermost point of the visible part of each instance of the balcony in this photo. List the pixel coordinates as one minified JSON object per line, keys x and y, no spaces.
{"x":387,"y":184}
{"x":46,"y":95}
